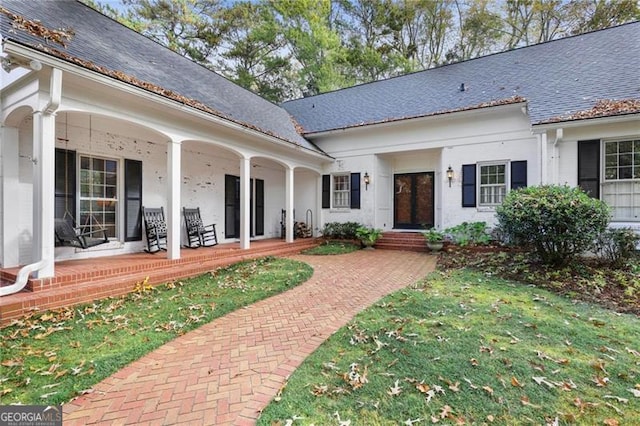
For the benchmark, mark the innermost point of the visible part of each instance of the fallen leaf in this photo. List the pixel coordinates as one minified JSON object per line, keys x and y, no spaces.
{"x":15,"y":362}
{"x":422,"y":387}
{"x":470,"y":384}
{"x":445,"y":412}
{"x":525,"y":401}
{"x":633,"y":352}
{"x":610,"y":422}
{"x":617,"y":398}
{"x":515,"y":382}
{"x":601,"y":381}
{"x":635,"y":392}
{"x":410,"y":422}
{"x":488,"y":389}
{"x":543,"y":381}
{"x":455,"y":387}
{"x":474,"y":362}
{"x":395,"y":389}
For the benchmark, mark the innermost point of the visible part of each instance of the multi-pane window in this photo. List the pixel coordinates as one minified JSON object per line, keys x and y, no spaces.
{"x":341,"y":191}
{"x":98,"y":194}
{"x":493,"y":185}
{"x":621,"y":184}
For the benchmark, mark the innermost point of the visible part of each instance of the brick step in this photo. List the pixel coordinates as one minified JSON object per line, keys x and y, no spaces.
{"x":16,"y":305}
{"x":150,"y":264}
{"x":408,"y":241}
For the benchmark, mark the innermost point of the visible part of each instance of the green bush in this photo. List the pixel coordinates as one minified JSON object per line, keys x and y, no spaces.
{"x":617,"y":246}
{"x":557,"y":222}
{"x":469,"y":233}
{"x":340,"y":230}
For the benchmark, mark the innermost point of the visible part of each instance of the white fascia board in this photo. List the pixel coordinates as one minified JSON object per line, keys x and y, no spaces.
{"x":541,"y":128}
{"x":440,"y":116}
{"x":26,"y":52}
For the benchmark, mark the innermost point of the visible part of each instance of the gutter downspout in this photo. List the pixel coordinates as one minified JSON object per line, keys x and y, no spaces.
{"x":558,"y":139}
{"x":55,"y":97}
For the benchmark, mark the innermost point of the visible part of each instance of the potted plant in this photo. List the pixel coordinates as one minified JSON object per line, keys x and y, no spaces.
{"x":368,"y":236}
{"x":434,"y":239}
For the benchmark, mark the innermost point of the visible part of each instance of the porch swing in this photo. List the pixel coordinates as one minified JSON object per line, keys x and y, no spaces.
{"x":66,"y":232}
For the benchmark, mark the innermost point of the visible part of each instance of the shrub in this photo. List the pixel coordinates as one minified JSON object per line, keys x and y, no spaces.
{"x":558,"y":222}
{"x":617,"y":246}
{"x":469,"y":233}
{"x":340,"y":230}
{"x":368,"y":236}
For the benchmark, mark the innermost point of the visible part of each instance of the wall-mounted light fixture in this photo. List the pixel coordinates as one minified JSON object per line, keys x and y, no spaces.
{"x":450,"y":175}
{"x":367,"y":180}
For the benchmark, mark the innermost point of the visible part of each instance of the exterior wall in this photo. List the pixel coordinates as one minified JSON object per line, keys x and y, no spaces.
{"x":305,"y":198}
{"x":429,"y":145}
{"x":563,"y":156}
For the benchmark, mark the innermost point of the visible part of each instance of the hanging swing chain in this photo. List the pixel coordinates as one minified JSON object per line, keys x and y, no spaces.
{"x":66,"y":172}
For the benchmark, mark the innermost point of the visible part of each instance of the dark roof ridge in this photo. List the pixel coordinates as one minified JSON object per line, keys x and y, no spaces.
{"x":519,"y":48}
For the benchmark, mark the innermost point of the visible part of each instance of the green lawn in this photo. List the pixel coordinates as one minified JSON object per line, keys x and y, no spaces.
{"x":52,"y":357}
{"x":332,"y":248}
{"x":463,"y":347}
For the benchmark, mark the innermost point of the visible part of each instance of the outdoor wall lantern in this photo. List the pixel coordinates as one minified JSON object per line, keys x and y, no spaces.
{"x":367,"y":181}
{"x":450,"y":175}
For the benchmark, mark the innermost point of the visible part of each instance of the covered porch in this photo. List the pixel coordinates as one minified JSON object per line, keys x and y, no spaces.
{"x":83,"y":280}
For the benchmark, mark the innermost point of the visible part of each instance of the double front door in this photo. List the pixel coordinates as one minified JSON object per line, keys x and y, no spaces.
{"x":413,"y":200}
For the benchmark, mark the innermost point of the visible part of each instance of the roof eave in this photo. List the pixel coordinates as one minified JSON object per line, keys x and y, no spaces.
{"x":18,"y":49}
{"x":459,"y":113}
{"x":543,"y":126}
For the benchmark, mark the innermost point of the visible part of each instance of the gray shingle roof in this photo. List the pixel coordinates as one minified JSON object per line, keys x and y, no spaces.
{"x":109,"y":45}
{"x":557,"y":78}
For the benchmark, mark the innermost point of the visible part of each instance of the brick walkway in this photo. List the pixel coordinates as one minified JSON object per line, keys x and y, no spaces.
{"x":228,"y":370}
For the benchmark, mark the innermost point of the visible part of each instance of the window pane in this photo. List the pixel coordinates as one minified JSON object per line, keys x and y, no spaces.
{"x":625,"y":146}
{"x":98,"y":194}
{"x":611,"y":148}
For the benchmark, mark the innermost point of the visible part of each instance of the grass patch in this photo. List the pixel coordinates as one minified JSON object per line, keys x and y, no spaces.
{"x":466,"y":348}
{"x":333,"y":247}
{"x":50,"y":358}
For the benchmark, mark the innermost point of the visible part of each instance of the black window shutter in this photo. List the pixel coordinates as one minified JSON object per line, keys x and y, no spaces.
{"x":133,"y":200}
{"x":65,"y":185}
{"x":589,"y":167}
{"x":518,"y":174}
{"x":231,"y":206}
{"x":468,"y":185}
{"x":355,"y":190}
{"x":259,"y":207}
{"x":326,"y":191}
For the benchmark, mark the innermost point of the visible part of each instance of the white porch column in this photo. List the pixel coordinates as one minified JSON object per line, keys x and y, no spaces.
{"x":44,"y":125}
{"x":173,"y":199}
{"x":245,"y":202}
{"x":10,"y":195}
{"x":289,"y":203}
{"x":544,"y":160}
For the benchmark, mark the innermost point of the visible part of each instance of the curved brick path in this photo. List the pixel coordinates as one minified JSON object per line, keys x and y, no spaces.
{"x":226,"y":371}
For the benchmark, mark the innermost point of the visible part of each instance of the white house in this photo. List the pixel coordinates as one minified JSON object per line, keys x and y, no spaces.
{"x":98,"y":121}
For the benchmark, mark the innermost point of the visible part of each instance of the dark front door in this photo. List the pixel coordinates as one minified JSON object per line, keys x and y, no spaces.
{"x":232,"y":206}
{"x":413,"y":200}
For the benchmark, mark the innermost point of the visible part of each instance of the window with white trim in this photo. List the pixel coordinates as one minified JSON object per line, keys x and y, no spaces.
{"x":621,"y":180}
{"x":98,"y":194}
{"x":341,"y":191}
{"x":492,"y":183}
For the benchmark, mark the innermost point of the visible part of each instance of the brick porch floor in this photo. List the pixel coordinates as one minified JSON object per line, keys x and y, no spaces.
{"x":226,"y":371}
{"x":78,"y":281}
